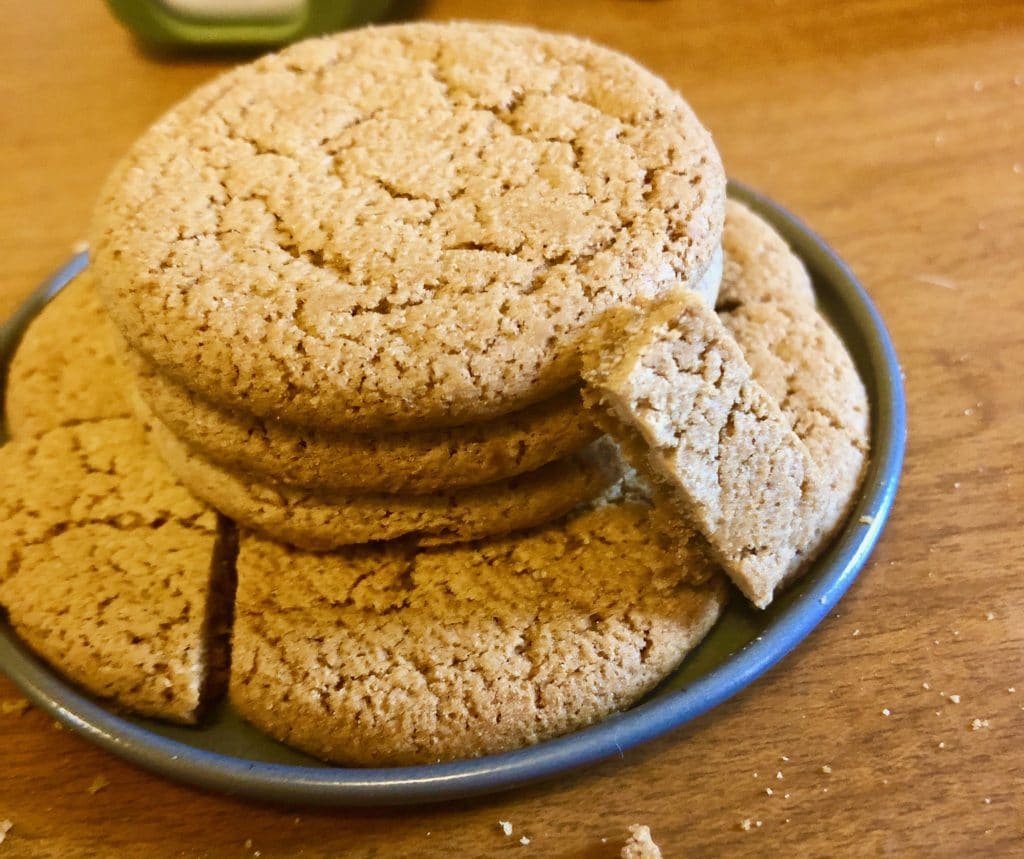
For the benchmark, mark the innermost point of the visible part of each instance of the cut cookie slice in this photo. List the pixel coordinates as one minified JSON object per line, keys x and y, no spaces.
{"x":111,"y":571}
{"x":672,"y":385}
{"x":403,"y":227}
{"x":389,"y":655}
{"x":66,"y":369}
{"x":320,"y":521}
{"x":410,"y":462}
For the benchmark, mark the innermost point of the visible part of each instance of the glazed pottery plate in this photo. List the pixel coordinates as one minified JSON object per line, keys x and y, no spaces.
{"x":226,"y":754}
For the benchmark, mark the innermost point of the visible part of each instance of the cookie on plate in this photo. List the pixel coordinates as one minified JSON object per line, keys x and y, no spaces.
{"x":111,"y":571}
{"x":404,"y":227}
{"x":410,"y":462}
{"x":66,"y":369}
{"x":326,"y":520}
{"x":763,"y":457}
{"x":390,"y":655}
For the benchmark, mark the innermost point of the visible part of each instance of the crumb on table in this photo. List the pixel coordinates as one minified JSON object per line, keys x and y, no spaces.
{"x":639,"y":844}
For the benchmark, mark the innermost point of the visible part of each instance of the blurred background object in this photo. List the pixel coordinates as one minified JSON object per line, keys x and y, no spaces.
{"x":223,"y":23}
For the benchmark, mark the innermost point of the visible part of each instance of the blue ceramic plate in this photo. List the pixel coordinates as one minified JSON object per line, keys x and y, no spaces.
{"x":228,"y":755}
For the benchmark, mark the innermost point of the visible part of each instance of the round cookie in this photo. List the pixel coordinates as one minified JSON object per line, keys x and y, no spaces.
{"x":321,"y":521}
{"x":388,"y":655}
{"x":65,"y":369}
{"x":758,"y":265}
{"x":410,"y":462}
{"x":768,"y":305}
{"x":111,"y":571}
{"x":403,"y":227}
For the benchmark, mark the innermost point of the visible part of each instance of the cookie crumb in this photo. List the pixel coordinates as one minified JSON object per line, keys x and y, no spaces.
{"x":784,"y":758}
{"x":866,"y":520}
{"x":978,"y":724}
{"x":1011,"y":689}
{"x":5,"y":827}
{"x":942,"y":745}
{"x":990,"y":615}
{"x":746,"y":824}
{"x":926,"y":685}
{"x":80,"y":247}
{"x":524,"y":841}
{"x":785,"y":796}
{"x":987,"y":801}
{"x":955,"y":699}
{"x":506,"y":827}
{"x":639,"y":844}
{"x":886,"y":711}
{"x":826,"y":769}
{"x":979,"y":86}
{"x":57,"y":726}
{"x":769,"y":791}
{"x":248,"y":844}
{"x":778,"y":775}
{"x":856,"y":632}
{"x":98,"y":784}
{"x":17,"y":707}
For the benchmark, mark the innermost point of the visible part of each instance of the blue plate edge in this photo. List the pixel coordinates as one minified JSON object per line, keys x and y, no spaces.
{"x":436,"y":782}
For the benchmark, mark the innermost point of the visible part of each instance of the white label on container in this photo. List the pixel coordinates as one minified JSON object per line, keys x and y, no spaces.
{"x":269,"y":9}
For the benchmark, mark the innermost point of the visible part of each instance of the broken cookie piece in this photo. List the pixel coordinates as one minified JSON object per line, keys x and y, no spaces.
{"x":111,"y":571}
{"x":672,"y":386}
{"x":66,"y":369}
{"x":640,"y":844}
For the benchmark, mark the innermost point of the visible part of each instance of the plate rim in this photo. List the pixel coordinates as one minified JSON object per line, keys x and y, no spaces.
{"x":289,"y":783}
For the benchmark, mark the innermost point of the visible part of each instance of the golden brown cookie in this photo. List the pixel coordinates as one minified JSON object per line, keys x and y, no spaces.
{"x":326,"y":520}
{"x":65,"y":369}
{"x":758,"y":426}
{"x":759,"y":266}
{"x":670,"y":383}
{"x":409,"y":462}
{"x":111,"y":571}
{"x":392,"y":655}
{"x":403,"y":227}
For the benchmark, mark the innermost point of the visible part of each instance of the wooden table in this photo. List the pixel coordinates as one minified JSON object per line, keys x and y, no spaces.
{"x":897,"y":130}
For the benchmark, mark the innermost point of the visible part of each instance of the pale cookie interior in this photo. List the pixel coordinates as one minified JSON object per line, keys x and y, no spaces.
{"x":674,"y":385}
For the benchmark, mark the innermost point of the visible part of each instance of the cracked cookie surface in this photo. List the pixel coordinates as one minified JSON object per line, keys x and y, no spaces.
{"x":404,"y":226}
{"x":391,"y":655}
{"x":108,"y":567}
{"x":65,"y":369}
{"x":325,"y":520}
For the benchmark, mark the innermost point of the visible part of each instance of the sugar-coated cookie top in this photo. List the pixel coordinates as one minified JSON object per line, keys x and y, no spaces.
{"x":403,"y":226}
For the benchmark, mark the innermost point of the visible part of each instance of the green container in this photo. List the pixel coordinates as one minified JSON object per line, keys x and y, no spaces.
{"x":224,"y":23}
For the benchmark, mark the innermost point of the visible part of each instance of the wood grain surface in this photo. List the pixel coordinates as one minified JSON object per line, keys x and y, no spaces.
{"x":897,"y":130}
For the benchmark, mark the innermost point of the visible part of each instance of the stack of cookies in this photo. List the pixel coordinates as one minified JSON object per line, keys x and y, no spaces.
{"x":376,"y":299}
{"x":352,"y":276}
